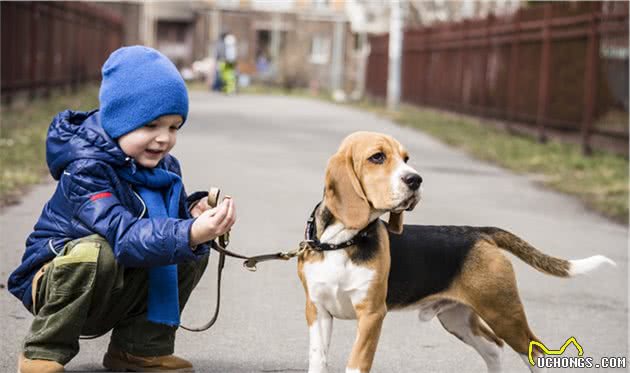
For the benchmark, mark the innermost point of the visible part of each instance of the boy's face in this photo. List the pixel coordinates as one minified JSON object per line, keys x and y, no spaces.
{"x":151,"y":142}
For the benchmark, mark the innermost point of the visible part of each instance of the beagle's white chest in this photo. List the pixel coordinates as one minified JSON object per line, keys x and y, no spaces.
{"x":335,"y":284}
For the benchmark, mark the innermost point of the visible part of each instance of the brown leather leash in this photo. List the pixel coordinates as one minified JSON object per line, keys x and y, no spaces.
{"x":220,"y":245}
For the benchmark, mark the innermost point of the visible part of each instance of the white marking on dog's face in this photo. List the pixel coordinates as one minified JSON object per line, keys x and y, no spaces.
{"x":403,"y":197}
{"x":336,"y":284}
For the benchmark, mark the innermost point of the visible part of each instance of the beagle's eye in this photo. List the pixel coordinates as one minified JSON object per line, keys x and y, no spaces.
{"x":377,"y":158}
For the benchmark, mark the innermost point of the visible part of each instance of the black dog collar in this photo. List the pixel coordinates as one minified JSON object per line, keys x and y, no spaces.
{"x":312,"y":240}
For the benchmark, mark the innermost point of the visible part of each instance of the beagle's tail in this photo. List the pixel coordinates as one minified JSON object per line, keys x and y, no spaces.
{"x":541,"y":261}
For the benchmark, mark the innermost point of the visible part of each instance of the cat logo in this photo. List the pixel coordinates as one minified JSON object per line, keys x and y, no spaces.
{"x":553,"y":352}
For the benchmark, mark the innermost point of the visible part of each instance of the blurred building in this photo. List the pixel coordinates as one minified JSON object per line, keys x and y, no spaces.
{"x":291,"y":42}
{"x":179,"y":29}
{"x":295,"y":43}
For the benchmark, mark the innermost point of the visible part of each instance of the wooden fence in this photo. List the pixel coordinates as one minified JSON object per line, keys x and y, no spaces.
{"x":54,"y":44}
{"x":556,"y":68}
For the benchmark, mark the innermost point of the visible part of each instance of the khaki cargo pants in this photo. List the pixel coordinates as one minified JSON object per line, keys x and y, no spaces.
{"x":85,"y":291}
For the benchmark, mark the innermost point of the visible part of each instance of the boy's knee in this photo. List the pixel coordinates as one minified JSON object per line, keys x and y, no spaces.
{"x":86,"y":263}
{"x":89,"y":250}
{"x":81,"y":250}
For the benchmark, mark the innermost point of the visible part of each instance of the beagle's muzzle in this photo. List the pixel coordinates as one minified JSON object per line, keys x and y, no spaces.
{"x":459,"y":274}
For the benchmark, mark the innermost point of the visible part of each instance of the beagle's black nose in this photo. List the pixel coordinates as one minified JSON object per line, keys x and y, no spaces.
{"x":412,"y":180}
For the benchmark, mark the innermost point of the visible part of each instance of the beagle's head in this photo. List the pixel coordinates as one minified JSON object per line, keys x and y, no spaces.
{"x":369,"y":176}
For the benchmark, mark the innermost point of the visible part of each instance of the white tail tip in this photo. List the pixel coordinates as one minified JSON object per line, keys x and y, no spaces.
{"x":586,"y":265}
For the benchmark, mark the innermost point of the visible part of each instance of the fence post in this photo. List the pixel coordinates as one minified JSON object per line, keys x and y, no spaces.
{"x":10,"y":11}
{"x":396,"y":35}
{"x":426,"y":95}
{"x":485,"y":48}
{"x":33,"y":48}
{"x":421,"y":66}
{"x":49,"y":25}
{"x":512,"y":81}
{"x":463,"y":58}
{"x":590,"y":82}
{"x":543,"y":82}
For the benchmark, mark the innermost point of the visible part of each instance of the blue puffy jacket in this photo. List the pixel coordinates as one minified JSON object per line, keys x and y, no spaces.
{"x":91,"y":198}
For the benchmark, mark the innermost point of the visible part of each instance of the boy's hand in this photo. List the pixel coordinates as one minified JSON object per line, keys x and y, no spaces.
{"x":213,"y":222}
{"x":200,"y":207}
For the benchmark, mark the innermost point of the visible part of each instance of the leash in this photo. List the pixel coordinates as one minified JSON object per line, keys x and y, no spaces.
{"x":310,"y":243}
{"x":220,"y":245}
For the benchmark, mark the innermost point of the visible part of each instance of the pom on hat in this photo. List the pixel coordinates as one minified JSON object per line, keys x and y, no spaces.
{"x":139,"y":85}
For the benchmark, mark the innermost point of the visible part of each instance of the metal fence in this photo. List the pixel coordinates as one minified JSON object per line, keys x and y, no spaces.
{"x":558,"y":68}
{"x":54,"y":44}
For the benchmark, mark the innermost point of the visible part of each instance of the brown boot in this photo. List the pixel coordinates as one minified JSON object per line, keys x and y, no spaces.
{"x":38,"y":366}
{"x":117,"y":360}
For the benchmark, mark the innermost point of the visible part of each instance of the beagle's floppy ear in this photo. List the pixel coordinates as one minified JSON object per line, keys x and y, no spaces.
{"x":395,"y":223}
{"x":343,"y":193}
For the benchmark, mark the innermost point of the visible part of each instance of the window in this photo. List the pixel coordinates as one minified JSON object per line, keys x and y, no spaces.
{"x":320,"y":49}
{"x":173,"y":32}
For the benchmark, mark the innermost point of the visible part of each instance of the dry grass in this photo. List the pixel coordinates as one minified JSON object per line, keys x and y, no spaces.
{"x":23,"y":131}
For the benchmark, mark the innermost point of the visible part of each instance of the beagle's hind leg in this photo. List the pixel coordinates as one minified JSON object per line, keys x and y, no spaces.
{"x":490,"y":288}
{"x":463,"y":323}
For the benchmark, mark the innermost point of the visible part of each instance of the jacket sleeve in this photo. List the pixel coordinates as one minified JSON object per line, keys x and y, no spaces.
{"x":136,"y":242}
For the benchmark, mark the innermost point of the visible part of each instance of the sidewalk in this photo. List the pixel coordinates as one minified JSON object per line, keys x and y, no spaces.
{"x":269,"y":153}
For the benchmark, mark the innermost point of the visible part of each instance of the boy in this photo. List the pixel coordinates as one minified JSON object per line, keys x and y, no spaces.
{"x":118,"y":246}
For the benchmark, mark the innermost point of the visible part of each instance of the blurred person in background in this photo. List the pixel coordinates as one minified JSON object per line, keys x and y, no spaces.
{"x":226,"y":77}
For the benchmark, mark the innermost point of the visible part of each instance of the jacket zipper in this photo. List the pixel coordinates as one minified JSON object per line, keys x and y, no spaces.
{"x":132,"y":163}
{"x":52,"y":248}
{"x":144,"y":206}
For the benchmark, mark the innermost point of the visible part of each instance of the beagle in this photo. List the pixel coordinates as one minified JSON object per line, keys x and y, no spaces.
{"x":358,"y":267}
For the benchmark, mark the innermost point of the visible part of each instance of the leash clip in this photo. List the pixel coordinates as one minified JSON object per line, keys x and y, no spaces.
{"x":250,"y":265}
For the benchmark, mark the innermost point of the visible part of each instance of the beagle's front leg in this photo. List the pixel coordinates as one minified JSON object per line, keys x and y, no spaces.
{"x":320,"y":328}
{"x":370,"y":320}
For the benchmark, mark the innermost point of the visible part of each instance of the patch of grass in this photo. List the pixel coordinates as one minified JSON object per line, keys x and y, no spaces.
{"x":23,"y":131}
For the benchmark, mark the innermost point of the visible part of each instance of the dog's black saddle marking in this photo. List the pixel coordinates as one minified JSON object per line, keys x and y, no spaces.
{"x":425,"y":259}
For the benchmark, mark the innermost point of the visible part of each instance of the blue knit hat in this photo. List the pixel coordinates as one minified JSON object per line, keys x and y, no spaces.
{"x":139,"y":85}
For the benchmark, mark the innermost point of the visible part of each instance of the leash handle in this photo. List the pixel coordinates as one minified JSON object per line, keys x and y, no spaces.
{"x":224,"y":240}
{"x":213,"y":201}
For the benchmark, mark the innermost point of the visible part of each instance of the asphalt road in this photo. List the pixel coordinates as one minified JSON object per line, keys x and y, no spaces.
{"x":269,"y":153}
